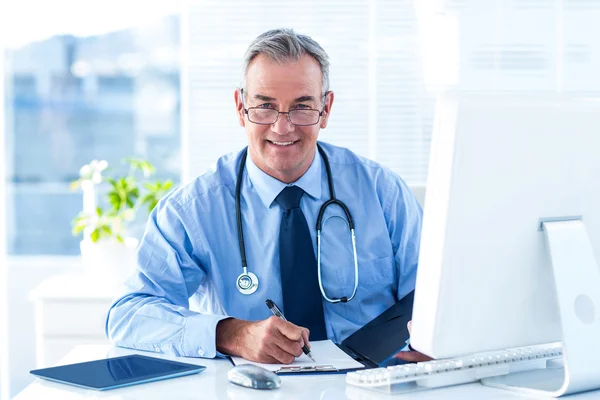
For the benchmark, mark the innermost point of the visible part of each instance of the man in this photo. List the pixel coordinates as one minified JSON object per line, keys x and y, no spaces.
{"x":190,"y":251}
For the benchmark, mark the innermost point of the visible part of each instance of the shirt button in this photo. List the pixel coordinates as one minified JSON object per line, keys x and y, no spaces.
{"x":156,"y":349}
{"x":200,"y":352}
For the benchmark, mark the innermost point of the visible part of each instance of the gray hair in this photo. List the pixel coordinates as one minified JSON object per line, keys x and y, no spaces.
{"x":282,"y":45}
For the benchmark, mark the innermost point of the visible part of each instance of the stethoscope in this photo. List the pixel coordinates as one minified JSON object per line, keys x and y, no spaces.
{"x":247,"y":282}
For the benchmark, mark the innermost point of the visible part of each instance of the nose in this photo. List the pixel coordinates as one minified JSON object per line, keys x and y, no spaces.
{"x":283,"y":126}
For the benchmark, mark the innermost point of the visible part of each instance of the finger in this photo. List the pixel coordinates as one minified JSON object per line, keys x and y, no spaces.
{"x":412,"y":356}
{"x":289,"y":346}
{"x":269,"y":349}
{"x":277,"y":338}
{"x":282,"y":355}
{"x":305,"y":336}
{"x":289,"y":330}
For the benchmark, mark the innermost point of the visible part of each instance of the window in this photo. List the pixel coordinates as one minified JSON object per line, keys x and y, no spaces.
{"x":107,"y":94}
{"x":115,"y":92}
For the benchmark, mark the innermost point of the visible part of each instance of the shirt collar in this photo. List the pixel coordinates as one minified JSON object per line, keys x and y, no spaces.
{"x":268,"y":188}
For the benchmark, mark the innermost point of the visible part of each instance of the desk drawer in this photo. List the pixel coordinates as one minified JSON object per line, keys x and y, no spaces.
{"x":81,"y":318}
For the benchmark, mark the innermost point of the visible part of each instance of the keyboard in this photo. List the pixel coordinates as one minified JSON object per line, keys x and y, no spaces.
{"x":447,"y":372}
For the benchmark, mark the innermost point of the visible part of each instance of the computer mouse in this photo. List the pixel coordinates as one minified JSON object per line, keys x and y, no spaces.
{"x":253,"y":376}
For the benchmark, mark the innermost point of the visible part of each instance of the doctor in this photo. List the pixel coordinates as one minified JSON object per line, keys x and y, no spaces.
{"x":193,"y":294}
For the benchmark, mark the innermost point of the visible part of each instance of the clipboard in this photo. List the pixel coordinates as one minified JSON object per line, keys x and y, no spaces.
{"x":375,"y":344}
{"x":330,"y":360}
{"x":312,"y":369}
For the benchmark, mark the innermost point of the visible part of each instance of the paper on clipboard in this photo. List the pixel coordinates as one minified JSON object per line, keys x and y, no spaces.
{"x":328,"y":357}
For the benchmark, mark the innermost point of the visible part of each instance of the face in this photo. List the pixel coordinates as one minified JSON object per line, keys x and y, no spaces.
{"x":283,"y":150}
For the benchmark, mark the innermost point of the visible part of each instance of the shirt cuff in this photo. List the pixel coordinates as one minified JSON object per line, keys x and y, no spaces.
{"x":199,"y":336}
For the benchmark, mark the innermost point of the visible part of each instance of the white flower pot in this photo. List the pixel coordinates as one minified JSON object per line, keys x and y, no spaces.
{"x":109,"y":260}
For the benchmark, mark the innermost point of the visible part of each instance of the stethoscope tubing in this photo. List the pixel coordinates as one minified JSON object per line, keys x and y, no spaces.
{"x":332,"y":200}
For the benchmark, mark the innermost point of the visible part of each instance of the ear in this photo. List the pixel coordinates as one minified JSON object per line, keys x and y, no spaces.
{"x":239,"y":106}
{"x":327,"y":109}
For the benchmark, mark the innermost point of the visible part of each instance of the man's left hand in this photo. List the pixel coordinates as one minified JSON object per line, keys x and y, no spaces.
{"x":413,"y":355}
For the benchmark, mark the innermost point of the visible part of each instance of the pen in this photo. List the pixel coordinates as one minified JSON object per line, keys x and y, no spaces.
{"x":277,"y":312}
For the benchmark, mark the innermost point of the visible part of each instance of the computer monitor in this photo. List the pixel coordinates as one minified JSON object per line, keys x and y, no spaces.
{"x":500,"y":165}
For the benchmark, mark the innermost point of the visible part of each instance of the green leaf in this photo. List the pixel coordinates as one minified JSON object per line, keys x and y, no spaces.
{"x":95,"y":235}
{"x":146,"y":198}
{"x":77,"y":230}
{"x":120,"y":239}
{"x":146,"y":167}
{"x":80,"y":222}
{"x":152,"y":205}
{"x":79,"y":226}
{"x":98,"y":211}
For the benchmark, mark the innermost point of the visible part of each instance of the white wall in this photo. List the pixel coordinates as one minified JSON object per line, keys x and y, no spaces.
{"x":24,"y":274}
{"x":419,"y":192}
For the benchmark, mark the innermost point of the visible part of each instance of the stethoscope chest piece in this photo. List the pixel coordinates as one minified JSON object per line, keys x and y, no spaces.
{"x":247,"y":283}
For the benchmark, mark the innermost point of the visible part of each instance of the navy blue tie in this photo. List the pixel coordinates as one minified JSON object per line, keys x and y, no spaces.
{"x":299,"y":282}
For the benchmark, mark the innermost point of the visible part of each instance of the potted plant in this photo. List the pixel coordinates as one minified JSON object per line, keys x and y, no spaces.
{"x":107,"y":248}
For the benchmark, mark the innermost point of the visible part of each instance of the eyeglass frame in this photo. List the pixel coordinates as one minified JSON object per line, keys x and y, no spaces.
{"x":282,"y":112}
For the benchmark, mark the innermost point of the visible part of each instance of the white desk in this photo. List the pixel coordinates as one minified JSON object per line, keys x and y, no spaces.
{"x":213,"y":384}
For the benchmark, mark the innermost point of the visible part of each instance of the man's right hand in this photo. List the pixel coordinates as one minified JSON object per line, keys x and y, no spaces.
{"x":270,"y":341}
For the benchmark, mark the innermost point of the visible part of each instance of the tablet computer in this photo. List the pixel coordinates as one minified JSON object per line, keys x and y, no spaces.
{"x":111,"y":373}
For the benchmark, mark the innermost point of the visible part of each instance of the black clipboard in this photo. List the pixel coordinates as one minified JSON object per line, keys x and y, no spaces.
{"x":375,"y":343}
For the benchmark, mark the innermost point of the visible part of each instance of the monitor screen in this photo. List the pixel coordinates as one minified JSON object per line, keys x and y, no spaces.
{"x":500,"y":163}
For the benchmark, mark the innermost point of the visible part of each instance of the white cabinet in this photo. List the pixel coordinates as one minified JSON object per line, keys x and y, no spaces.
{"x":69,"y":310}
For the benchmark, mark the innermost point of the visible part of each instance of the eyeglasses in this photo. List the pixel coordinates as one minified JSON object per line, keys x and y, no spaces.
{"x":268,"y":116}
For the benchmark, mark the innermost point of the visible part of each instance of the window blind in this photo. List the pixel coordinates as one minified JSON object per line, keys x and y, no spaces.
{"x":381,"y":109}
{"x":529,"y":45}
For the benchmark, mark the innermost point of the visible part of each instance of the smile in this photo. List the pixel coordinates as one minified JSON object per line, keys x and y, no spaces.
{"x":283,"y":143}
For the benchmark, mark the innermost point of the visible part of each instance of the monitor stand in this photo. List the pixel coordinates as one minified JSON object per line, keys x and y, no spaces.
{"x":577,"y":280}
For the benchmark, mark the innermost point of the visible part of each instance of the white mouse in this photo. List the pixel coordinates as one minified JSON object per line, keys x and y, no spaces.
{"x":253,"y":376}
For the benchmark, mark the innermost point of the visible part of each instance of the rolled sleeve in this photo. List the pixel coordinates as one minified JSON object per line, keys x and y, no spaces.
{"x":199,"y":336}
{"x":152,"y":312}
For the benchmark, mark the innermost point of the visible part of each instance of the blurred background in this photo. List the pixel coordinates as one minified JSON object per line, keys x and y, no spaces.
{"x":85,"y":80}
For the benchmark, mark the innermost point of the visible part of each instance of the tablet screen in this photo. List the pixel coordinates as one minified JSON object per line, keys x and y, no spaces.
{"x":116,"y":372}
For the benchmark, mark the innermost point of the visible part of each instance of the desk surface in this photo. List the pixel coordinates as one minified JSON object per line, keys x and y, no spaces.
{"x":213,"y":384}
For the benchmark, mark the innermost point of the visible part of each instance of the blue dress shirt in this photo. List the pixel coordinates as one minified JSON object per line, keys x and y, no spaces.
{"x":189,"y":258}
